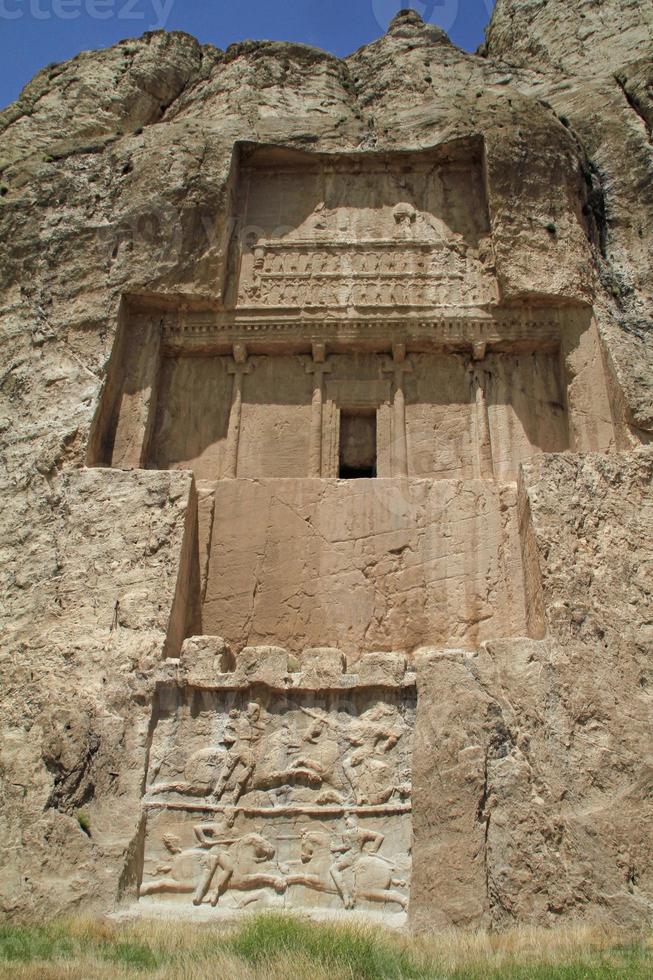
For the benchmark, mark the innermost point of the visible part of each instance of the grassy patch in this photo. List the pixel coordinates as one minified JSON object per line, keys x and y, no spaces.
{"x":23,"y":944}
{"x":273,"y":946}
{"x":359,"y":953}
{"x":62,"y":942}
{"x":84,"y":821}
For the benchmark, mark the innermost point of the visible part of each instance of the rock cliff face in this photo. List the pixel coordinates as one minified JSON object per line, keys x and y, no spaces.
{"x":593,"y":62}
{"x":511,"y":565}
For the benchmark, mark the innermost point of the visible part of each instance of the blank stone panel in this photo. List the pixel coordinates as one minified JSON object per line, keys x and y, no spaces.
{"x":276,"y":419}
{"x":526,"y":409}
{"x":192,"y":418}
{"x":364,"y":565}
{"x":439,"y":418}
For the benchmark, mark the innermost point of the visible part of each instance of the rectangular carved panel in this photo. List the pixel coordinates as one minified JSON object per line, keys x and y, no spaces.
{"x":336,"y":233}
{"x":281,"y":799}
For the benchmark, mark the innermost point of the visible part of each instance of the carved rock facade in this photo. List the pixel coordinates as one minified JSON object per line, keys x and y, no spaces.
{"x":327,"y":388}
{"x":267,"y":789}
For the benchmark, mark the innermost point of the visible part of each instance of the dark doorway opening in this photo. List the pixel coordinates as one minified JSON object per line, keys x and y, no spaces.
{"x":357,"y":444}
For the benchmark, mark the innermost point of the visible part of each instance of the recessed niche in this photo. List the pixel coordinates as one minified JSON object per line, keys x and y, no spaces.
{"x":357,"y":448}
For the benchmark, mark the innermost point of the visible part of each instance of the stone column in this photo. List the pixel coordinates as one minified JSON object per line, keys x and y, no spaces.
{"x":399,"y":367}
{"x":318,"y":368}
{"x":239,"y":368}
{"x":483,"y":464}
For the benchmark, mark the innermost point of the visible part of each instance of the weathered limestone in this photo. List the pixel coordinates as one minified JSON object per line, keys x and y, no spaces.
{"x":592,"y":64}
{"x":322,"y":666}
{"x":364,"y":565}
{"x":548,"y":779}
{"x":381,"y":646}
{"x":264,"y":794}
{"x":105,"y":587}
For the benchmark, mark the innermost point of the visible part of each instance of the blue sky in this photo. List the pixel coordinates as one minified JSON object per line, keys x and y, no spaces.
{"x":34,"y":33}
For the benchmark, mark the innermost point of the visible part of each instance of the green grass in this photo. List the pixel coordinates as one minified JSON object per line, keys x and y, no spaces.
{"x":360,"y":953}
{"x":27,"y":944}
{"x":84,"y":821}
{"x":274,"y":946}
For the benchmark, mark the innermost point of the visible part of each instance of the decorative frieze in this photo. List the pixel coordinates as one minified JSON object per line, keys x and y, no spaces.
{"x":310,"y":274}
{"x":264,"y":791}
{"x":501,"y":330}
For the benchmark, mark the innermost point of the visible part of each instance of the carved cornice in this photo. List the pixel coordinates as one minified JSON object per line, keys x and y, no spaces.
{"x":429,"y":330}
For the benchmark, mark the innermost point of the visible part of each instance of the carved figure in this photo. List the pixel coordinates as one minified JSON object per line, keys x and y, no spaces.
{"x":181,"y":874}
{"x":242,"y":732}
{"x":251,"y":291}
{"x":369,"y":768}
{"x":371,"y":874}
{"x":201,"y":771}
{"x":259,"y":261}
{"x":234,"y":862}
{"x":321,"y":752}
{"x":346,"y":852}
{"x":280,"y":762}
{"x":314,"y":857}
{"x":375,"y":881}
{"x":405,"y":216}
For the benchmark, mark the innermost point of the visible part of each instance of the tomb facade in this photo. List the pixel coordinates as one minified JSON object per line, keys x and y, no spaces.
{"x":355,"y":407}
{"x":326,"y":387}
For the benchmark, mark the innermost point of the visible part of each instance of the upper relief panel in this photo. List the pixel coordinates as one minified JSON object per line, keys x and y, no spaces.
{"x":345,"y":235}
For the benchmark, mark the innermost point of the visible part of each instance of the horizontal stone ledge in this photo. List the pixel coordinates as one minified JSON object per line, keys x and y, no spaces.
{"x":337,"y":809}
{"x":292,"y":682}
{"x":207,"y":663}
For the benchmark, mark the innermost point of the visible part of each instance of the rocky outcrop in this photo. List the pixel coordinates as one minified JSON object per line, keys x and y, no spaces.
{"x":544,"y":810}
{"x":94,"y":606}
{"x":591,"y":62}
{"x":116,"y":185}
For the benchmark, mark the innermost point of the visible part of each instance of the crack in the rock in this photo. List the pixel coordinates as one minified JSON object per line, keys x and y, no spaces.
{"x":634,"y":105}
{"x":484,"y":816}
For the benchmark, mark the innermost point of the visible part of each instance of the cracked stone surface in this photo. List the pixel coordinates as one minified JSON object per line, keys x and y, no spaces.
{"x":592,"y":63}
{"x":532,"y":758}
{"x":90,"y":620}
{"x":541,"y":749}
{"x":374,"y":565}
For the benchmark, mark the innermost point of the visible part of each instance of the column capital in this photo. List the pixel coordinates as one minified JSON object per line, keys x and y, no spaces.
{"x":397,"y":367}
{"x":479,"y":350}
{"x":318,"y":350}
{"x":240,"y":365}
{"x":318,"y":368}
{"x":240,"y":353}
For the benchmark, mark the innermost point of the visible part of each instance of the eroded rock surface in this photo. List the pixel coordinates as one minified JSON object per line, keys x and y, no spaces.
{"x":591,"y":62}
{"x":545,"y":809}
{"x":232,"y":282}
